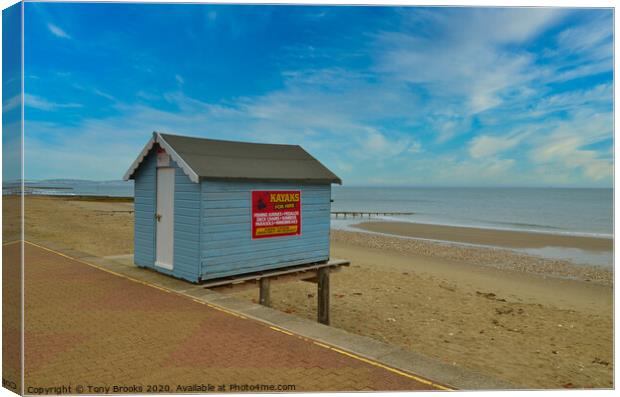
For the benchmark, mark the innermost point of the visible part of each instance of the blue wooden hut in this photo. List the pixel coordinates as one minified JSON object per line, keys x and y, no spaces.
{"x":206,"y":209}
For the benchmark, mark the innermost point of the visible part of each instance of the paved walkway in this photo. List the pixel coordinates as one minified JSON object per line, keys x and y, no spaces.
{"x":87,"y":327}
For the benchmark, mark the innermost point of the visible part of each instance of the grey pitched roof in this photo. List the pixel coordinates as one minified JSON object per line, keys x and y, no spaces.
{"x":218,"y":159}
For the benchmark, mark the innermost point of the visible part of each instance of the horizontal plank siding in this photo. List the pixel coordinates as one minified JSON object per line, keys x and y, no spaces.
{"x":186,"y":251}
{"x":217,"y":252}
{"x":211,"y":244}
{"x":243,"y":186}
{"x":254,"y":258}
{"x":144,"y":206}
{"x":226,"y":245}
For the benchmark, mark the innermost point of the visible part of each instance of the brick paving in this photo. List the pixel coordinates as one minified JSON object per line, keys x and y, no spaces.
{"x":85,"y":327}
{"x":11,"y":315}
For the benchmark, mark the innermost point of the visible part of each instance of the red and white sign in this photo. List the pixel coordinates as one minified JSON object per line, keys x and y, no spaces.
{"x":276,"y":213}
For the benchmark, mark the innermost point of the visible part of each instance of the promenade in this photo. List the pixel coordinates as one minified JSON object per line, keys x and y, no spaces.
{"x":96,"y":332}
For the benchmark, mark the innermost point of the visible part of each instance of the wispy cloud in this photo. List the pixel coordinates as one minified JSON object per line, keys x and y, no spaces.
{"x":464,"y":54}
{"x":103,"y":94}
{"x":56,"y":31}
{"x":377,"y":145}
{"x":569,"y":145}
{"x":40,"y":103}
{"x":486,"y":145}
{"x":599,"y":97}
{"x":11,"y":103}
{"x":415,"y":96}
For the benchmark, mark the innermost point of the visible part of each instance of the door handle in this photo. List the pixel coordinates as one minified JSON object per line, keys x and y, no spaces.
{"x":158,"y":217}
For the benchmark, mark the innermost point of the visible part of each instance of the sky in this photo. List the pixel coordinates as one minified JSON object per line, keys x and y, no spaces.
{"x":395,"y":96}
{"x":11,"y":95}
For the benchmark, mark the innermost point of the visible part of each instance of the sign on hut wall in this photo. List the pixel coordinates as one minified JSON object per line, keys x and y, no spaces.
{"x":276,"y":213}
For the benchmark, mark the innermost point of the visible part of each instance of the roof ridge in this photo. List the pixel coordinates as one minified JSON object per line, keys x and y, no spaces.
{"x":226,"y":140}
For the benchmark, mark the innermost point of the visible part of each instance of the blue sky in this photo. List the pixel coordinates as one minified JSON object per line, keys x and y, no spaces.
{"x":11,"y":98}
{"x":381,"y":95}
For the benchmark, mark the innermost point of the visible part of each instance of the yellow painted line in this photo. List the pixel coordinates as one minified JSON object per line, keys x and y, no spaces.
{"x":11,"y":242}
{"x":394,"y":370}
{"x":372,"y":362}
{"x":225,"y":311}
{"x":355,"y":356}
{"x":281,"y":330}
{"x":322,"y":345}
{"x":100,"y":268}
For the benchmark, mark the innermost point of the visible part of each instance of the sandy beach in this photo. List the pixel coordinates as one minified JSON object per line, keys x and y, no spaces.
{"x":536,"y":322}
{"x":491,"y":237}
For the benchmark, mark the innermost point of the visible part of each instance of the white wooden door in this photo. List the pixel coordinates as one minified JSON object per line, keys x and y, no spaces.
{"x":165,"y":217}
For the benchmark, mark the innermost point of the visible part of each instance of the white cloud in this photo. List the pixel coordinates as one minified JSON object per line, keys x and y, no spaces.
{"x":11,"y":103}
{"x":103,"y":94}
{"x":343,"y":166}
{"x":40,"y":103}
{"x":567,"y":145}
{"x":569,"y":152}
{"x":582,"y":50}
{"x":377,"y":145}
{"x":179,"y":79}
{"x":57,"y":31}
{"x":462,"y":56}
{"x":487,"y":145}
{"x":331,"y":114}
{"x":415,"y":147}
{"x":593,"y":39}
{"x":600,"y":95}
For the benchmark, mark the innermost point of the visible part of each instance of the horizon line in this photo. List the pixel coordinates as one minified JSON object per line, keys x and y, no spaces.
{"x":361,"y":185}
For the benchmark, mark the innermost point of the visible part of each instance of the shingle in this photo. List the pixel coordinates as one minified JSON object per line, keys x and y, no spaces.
{"x":218,"y":159}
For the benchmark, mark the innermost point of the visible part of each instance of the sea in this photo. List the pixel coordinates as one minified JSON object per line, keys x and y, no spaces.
{"x":568,"y":211}
{"x":571,"y":211}
{"x":586,"y":212}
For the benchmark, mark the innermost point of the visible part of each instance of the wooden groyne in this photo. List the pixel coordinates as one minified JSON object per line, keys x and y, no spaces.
{"x":361,"y":214}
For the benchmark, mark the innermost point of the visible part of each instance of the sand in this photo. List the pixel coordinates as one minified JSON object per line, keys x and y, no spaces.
{"x":97,"y":226}
{"x":480,"y":308}
{"x":497,"y":238}
{"x":11,"y":218}
{"x":505,"y":259}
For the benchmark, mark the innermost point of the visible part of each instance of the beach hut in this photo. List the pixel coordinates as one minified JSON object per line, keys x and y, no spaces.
{"x":207,"y":209}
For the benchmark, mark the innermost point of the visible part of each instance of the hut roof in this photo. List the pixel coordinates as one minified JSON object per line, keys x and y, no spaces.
{"x":230,"y":160}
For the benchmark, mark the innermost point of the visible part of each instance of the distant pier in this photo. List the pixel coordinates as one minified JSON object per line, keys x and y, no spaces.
{"x":361,"y":214}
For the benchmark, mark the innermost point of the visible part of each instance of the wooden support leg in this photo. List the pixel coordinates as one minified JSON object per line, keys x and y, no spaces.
{"x":265,"y":293}
{"x":323,"y":295}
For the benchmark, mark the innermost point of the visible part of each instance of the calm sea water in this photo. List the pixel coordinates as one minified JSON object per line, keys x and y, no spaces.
{"x":554,"y":210}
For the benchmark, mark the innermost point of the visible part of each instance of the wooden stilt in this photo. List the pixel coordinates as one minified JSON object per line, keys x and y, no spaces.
{"x":323,"y":295}
{"x":265,"y":293}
